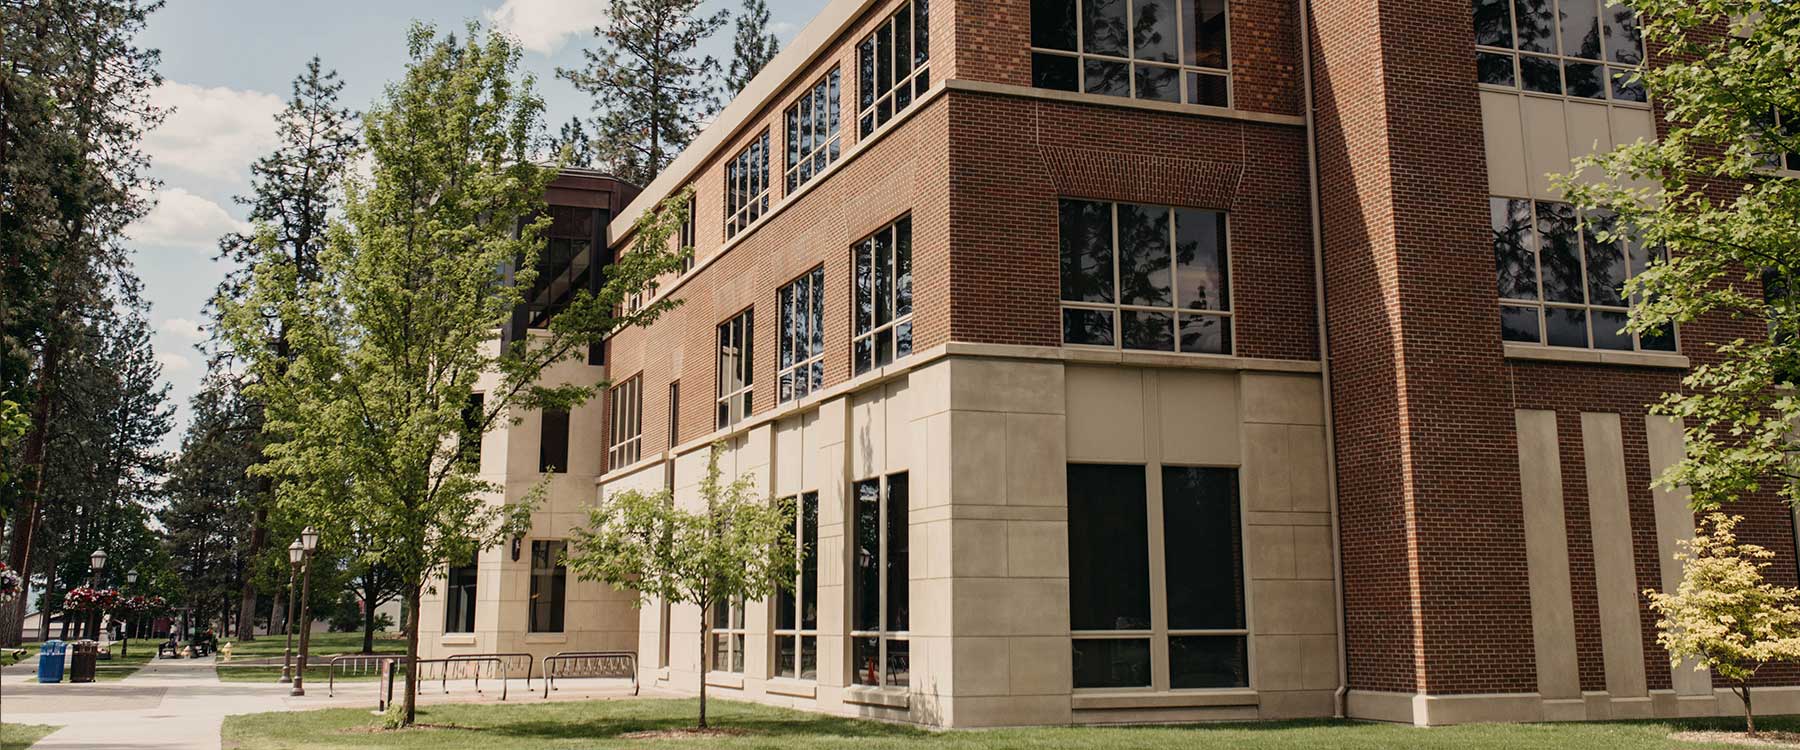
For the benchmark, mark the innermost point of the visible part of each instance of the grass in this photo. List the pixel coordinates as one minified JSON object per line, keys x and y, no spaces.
{"x":21,"y":736}
{"x":322,"y":645}
{"x":600,"y":724}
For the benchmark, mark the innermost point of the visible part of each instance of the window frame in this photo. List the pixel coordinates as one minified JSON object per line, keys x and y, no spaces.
{"x":1542,"y":305}
{"x":797,"y":376}
{"x":548,"y":460}
{"x":899,"y":327}
{"x":1175,"y":311}
{"x":800,"y":168}
{"x":1185,"y":75}
{"x":734,"y":398}
{"x":468,"y":594}
{"x":806,"y":552}
{"x":1159,"y":633}
{"x":747,"y":185}
{"x":871,"y":97}
{"x":1515,"y":55}
{"x":626,"y":433}
{"x":883,"y":636}
{"x":735,"y":635}
{"x":689,"y":237}
{"x":558,"y":575}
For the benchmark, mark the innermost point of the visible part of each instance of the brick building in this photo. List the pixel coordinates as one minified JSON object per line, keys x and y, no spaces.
{"x":1158,"y":360}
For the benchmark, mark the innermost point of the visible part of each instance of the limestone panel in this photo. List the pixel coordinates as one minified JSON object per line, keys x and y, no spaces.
{"x":1674,"y":524}
{"x":1505,"y":144}
{"x":1282,"y":398}
{"x":1198,"y":416}
{"x":1105,"y":414}
{"x":1603,"y":452}
{"x":1547,"y":555}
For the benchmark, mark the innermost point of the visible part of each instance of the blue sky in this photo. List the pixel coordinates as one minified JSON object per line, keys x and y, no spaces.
{"x":228,"y":66}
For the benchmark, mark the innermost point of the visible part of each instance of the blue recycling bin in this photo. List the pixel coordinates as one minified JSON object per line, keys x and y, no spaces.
{"x":50,"y":660}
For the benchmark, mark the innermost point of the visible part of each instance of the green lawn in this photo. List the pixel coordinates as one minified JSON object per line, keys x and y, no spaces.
{"x":599,"y":724}
{"x":20,"y":736}
{"x":322,"y":645}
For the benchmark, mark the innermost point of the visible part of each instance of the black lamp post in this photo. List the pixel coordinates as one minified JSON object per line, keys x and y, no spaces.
{"x":309,"y":541}
{"x":295,"y":551}
{"x":131,"y":577}
{"x":96,"y":563}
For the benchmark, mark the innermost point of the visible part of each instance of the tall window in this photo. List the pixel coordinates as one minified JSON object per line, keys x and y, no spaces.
{"x":553,"y":442}
{"x":797,"y":609}
{"x":1783,"y":128}
{"x":747,"y":186}
{"x":1163,"y":50}
{"x":802,"y":336}
{"x":689,"y":238}
{"x":812,"y":132}
{"x":459,"y":598}
{"x":1578,"y":48}
{"x":1559,"y":284}
{"x":879,"y":606}
{"x":891,"y":70}
{"x":735,"y":371}
{"x":674,"y":412}
{"x":1120,"y":613}
{"x":626,"y":445}
{"x":728,"y":636}
{"x":549,"y":582}
{"x":468,"y":442}
{"x":1145,"y":277}
{"x":884,"y":302}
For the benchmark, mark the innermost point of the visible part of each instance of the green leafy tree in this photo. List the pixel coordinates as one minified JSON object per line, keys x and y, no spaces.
{"x":1724,"y":615}
{"x":1731,"y":228}
{"x":406,"y":312}
{"x":652,"y":90}
{"x":738,"y":547}
{"x":752,"y":46}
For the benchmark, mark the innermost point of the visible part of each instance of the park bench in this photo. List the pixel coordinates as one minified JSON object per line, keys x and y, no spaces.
{"x":171,"y":647}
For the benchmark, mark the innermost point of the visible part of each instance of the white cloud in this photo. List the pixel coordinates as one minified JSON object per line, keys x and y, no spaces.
{"x":182,"y":219}
{"x":213,"y":132}
{"x":172,"y":362}
{"x":545,"y":25}
{"x":183,"y":328}
{"x":784,"y":30}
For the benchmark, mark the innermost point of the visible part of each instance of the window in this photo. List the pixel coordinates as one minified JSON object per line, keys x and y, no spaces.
{"x":878,"y":610}
{"x":747,"y":186}
{"x":1586,"y":49}
{"x":688,"y":238}
{"x":1781,"y":129}
{"x":736,"y":374}
{"x":1559,"y":284}
{"x":468,"y":442}
{"x":883,"y":296}
{"x":1114,"y":591}
{"x":627,"y":423}
{"x":549,"y":582}
{"x":728,"y":636}
{"x":553,"y":442}
{"x":802,"y":336}
{"x":1176,"y":50}
{"x":797,"y":609}
{"x":891,"y":70}
{"x":674,"y":413}
{"x":812,"y":132}
{"x":459,"y":598}
{"x":1145,"y":277}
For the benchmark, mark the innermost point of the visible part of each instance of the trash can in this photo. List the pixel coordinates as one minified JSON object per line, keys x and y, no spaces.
{"x":82,"y":661}
{"x":50,"y":660}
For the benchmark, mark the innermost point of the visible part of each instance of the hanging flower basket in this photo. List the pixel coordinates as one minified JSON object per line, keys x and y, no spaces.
{"x":90,"y":599}
{"x":10,"y":584}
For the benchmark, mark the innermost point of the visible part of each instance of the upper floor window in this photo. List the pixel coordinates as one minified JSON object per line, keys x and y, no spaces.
{"x":625,"y":445}
{"x":1145,"y":277}
{"x":468,"y":440}
{"x":1782,"y":128}
{"x":812,"y":132}
{"x":553,"y":442}
{"x":1164,"y":50}
{"x":1577,"y":48}
{"x":883,"y":296}
{"x":735,"y":371}
{"x":747,"y":186}
{"x":802,"y":336}
{"x":1559,"y":284}
{"x":688,"y":237}
{"x":891,"y":63}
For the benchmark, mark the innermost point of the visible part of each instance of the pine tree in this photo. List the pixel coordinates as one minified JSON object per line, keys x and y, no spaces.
{"x":573,"y":141}
{"x":210,"y":494}
{"x":293,"y":190}
{"x":651,"y":89}
{"x":752,"y":46}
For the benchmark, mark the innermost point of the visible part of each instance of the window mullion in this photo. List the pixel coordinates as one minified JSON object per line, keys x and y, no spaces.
{"x":1159,"y":589}
{"x":1118,"y":293}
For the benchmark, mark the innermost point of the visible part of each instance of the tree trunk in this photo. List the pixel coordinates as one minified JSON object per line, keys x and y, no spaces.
{"x":412,"y":654}
{"x":43,"y":633}
{"x":705,"y":643}
{"x":1749,"y":715}
{"x":247,"y":600}
{"x":368,"y":628}
{"x":278,"y":615}
{"x":30,"y":511}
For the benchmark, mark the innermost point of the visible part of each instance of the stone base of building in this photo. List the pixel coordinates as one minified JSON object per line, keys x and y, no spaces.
{"x":1439,"y":710}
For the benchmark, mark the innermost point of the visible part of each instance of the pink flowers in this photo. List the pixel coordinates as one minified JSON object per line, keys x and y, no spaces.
{"x":10,"y":584}
{"x":90,"y":599}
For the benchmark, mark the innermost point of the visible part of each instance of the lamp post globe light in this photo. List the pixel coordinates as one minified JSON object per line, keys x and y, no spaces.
{"x":309,"y":541}
{"x":295,"y":552}
{"x":131,"y":577}
{"x":96,"y":563}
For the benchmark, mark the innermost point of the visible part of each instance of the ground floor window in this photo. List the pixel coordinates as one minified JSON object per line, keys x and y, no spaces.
{"x":459,"y":598}
{"x":728,"y":636}
{"x":549,"y":582}
{"x":797,"y":609}
{"x":879,"y":611}
{"x":1177,"y":625}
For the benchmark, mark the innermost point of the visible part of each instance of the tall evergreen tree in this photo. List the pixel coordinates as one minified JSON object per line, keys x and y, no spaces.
{"x":293,"y":190}
{"x":211,"y":497}
{"x":72,"y":177}
{"x":752,"y":46}
{"x":652,"y":90}
{"x":573,"y":141}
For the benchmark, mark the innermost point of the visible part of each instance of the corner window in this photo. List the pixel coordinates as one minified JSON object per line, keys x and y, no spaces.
{"x":802,"y":336}
{"x":891,"y":70}
{"x":1122,"y":610}
{"x":797,"y":608}
{"x":884,"y":302}
{"x":1160,"y":50}
{"x":553,"y":442}
{"x":1559,"y":284}
{"x":459,"y":598}
{"x":747,"y":186}
{"x":1142,"y":277}
{"x":1585,"y":49}
{"x":549,"y":583}
{"x":735,"y":371}
{"x":879,"y":609}
{"x":812,"y":132}
{"x":728,"y":636}
{"x":625,"y":443}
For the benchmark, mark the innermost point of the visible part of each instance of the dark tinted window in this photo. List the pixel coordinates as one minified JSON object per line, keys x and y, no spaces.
{"x":1109,"y":556}
{"x":549,"y":580}
{"x":553,"y":442}
{"x":1111,"y":662}
{"x":1202,"y":548}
